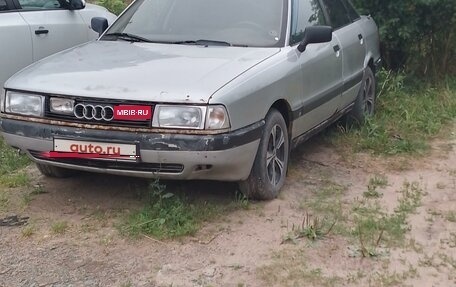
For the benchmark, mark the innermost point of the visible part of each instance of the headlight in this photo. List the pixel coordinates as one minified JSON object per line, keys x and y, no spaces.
{"x":190,"y":117}
{"x":24,"y":104}
{"x":181,"y":117}
{"x":2,"y":101}
{"x":61,"y":105}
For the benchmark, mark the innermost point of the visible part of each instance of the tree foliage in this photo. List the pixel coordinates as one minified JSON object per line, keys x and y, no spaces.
{"x":416,"y":35}
{"x":115,"y":6}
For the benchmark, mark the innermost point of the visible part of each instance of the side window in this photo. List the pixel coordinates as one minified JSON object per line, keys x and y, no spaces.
{"x":41,"y":4}
{"x":337,"y":13}
{"x":351,"y":10}
{"x":304,"y":13}
{"x":3,"y":6}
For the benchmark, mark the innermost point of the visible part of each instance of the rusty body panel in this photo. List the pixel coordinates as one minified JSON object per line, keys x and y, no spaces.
{"x":146,"y":140}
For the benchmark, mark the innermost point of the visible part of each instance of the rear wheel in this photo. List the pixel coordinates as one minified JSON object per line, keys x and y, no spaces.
{"x":270,"y":167}
{"x":365,"y":102}
{"x":54,"y":171}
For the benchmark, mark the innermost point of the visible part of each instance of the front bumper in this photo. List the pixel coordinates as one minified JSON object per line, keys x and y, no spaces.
{"x":226,"y":157}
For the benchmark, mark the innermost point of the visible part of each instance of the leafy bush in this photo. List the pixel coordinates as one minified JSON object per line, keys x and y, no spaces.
{"x":115,"y":6}
{"x":417,"y":35}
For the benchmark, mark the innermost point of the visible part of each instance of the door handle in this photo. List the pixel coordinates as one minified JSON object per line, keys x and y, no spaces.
{"x":41,"y":32}
{"x":337,"y":50}
{"x":361,"y":40}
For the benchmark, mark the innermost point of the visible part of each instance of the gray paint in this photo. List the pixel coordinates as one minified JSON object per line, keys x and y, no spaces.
{"x":139,"y":71}
{"x":318,"y":85}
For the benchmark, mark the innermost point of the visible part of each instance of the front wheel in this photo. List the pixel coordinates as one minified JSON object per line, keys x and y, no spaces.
{"x":270,"y":167}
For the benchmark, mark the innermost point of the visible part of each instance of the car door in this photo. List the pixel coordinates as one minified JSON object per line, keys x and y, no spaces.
{"x":353,"y":48}
{"x":15,"y":41}
{"x":53,"y":26}
{"x":320,"y":68}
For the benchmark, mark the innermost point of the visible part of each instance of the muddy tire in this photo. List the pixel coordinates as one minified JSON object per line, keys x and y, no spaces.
{"x":54,"y":171}
{"x":365,"y":102}
{"x":270,"y":167}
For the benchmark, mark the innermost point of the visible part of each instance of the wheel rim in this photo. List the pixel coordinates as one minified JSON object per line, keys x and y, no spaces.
{"x":369,"y":96}
{"x":275,"y":155}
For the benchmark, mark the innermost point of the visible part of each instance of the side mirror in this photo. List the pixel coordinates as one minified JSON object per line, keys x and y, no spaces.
{"x":314,"y":35}
{"x":77,"y":4}
{"x":99,"y":24}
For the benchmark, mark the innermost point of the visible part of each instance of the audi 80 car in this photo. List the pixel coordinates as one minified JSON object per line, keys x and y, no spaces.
{"x":196,"y":89}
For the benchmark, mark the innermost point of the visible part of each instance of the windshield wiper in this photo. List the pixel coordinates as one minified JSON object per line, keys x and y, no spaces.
{"x":204,"y":42}
{"x":129,"y":37}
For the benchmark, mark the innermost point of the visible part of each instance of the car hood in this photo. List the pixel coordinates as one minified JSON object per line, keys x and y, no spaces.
{"x":139,"y":71}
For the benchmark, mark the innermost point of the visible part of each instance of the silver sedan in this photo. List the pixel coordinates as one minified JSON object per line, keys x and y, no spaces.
{"x":196,"y":89}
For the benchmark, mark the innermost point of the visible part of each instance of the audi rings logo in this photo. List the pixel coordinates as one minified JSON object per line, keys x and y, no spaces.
{"x":94,"y":112}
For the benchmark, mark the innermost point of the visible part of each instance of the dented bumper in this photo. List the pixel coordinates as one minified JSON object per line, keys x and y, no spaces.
{"x":227,"y":157}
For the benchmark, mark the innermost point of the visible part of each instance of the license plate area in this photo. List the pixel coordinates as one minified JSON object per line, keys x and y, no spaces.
{"x":69,"y":148}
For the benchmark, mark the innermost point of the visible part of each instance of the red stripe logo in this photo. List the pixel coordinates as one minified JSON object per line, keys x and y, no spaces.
{"x":132,"y":113}
{"x":55,"y":154}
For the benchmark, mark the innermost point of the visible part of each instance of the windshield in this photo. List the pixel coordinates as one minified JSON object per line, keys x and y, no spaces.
{"x":233,"y":22}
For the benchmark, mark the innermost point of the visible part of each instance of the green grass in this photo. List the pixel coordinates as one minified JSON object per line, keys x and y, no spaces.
{"x":378,"y":181}
{"x":167,"y":215}
{"x":312,"y":228}
{"x":364,"y":223}
{"x":28,"y":230}
{"x":291,"y":268}
{"x":10,"y":162}
{"x":15,"y":179}
{"x":372,"y":193}
{"x":374,"y":183}
{"x":4,"y":200}
{"x":38,"y":189}
{"x":451,"y":216}
{"x":326,"y":201}
{"x":326,"y":209}
{"x":10,"y":159}
{"x":387,"y":278}
{"x":408,"y":114}
{"x":373,"y":226}
{"x":26,"y":199}
{"x":59,"y":227}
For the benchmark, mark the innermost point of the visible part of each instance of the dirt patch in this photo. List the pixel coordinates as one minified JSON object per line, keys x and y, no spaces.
{"x":71,"y":237}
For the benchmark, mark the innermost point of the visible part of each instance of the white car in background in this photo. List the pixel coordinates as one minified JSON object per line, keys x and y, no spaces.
{"x":33,"y":29}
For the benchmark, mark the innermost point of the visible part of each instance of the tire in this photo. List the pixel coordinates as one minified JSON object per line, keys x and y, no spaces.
{"x":267,"y":177}
{"x":365,"y":101}
{"x":54,"y":171}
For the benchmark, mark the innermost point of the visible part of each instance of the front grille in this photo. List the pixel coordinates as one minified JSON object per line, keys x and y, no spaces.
{"x":117,"y":164}
{"x":72,"y":118}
